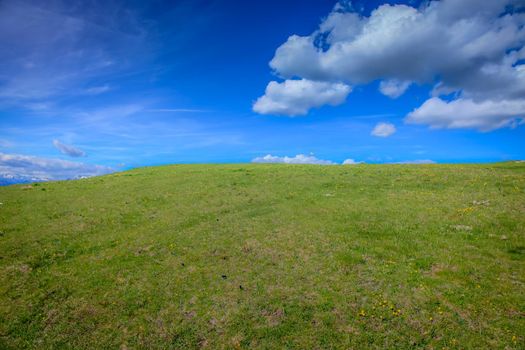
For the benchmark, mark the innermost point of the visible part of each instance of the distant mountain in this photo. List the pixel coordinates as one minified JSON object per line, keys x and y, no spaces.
{"x":6,"y":179}
{"x":11,"y":180}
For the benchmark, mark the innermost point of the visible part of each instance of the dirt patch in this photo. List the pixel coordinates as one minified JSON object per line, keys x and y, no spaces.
{"x":250,"y":246}
{"x":24,"y":269}
{"x":273,"y":317}
{"x":145,"y":250}
{"x":203,"y":343}
{"x":51,"y":318}
{"x":436,"y":269}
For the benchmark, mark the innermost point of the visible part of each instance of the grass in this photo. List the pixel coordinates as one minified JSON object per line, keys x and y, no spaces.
{"x":267,"y":257}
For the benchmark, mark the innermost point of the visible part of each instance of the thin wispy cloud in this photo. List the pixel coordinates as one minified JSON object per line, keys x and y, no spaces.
{"x":6,"y":143}
{"x":96,"y":90}
{"x":109,"y":113}
{"x":68,"y":150}
{"x":52,"y":48}
{"x":177,"y":110}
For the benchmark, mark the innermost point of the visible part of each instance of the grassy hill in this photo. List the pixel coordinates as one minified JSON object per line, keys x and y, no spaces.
{"x":267,"y":257}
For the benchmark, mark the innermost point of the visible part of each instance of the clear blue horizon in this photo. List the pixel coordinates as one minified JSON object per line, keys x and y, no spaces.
{"x":92,"y":87}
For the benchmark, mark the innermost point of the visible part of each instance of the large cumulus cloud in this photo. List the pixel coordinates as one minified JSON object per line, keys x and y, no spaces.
{"x":469,"y":49}
{"x":296,"y":97}
{"x":484,"y":115}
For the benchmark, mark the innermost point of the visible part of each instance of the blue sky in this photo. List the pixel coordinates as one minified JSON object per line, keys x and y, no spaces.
{"x":91,"y":87}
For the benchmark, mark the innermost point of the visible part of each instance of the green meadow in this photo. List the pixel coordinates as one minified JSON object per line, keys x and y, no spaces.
{"x":267,"y":256}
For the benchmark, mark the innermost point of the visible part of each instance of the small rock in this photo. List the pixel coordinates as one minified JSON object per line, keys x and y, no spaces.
{"x":484,"y":202}
{"x":190,"y":314}
{"x":504,"y":238}
{"x":462,"y":227}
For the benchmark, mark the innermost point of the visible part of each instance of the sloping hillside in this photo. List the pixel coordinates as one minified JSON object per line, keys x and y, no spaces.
{"x":267,"y":256}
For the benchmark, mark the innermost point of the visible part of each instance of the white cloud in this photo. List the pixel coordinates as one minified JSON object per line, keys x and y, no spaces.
{"x":97,"y":90}
{"x":109,"y":113}
{"x":69,"y":150}
{"x":465,"y":113}
{"x":383,"y":130}
{"x":350,"y":161}
{"x":393,"y":88}
{"x":361,"y":49}
{"x":296,"y":97}
{"x":30,"y":168}
{"x":469,"y":48}
{"x":298,"y":159}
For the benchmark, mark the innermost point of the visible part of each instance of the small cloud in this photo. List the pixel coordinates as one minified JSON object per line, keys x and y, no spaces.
{"x":68,"y":149}
{"x":38,"y":106}
{"x":298,"y":159}
{"x":96,"y":90}
{"x":383,"y":130}
{"x":22,"y":168}
{"x":297,"y":97}
{"x":393,"y":88}
{"x":350,"y":161}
